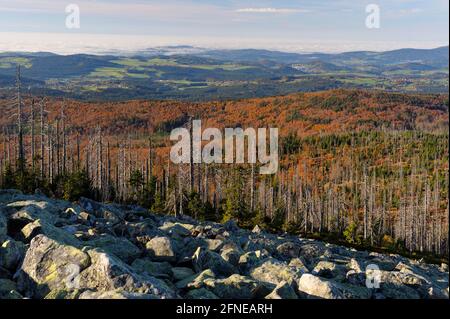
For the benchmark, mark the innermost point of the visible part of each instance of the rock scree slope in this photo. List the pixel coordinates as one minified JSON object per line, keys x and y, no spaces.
{"x":55,"y":249}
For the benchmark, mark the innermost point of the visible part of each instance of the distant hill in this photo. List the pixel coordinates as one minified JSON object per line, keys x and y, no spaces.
{"x":305,"y":113}
{"x":196,"y":74}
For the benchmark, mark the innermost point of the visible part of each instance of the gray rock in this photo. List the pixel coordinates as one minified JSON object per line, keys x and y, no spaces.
{"x":115,"y":294}
{"x":63,"y":294}
{"x":180,"y":273}
{"x":11,"y":254}
{"x":214,"y":244}
{"x":161,"y":270}
{"x":8,"y":290}
{"x":312,"y":251}
{"x":3,"y":226}
{"x":177,"y":229}
{"x":250,"y":259}
{"x":49,"y":265}
{"x":41,"y":227}
{"x":356,"y":265}
{"x":233,"y":287}
{"x":119,"y":247}
{"x":288,"y":250}
{"x":282,"y":291}
{"x":108,"y":273}
{"x":257,"y":230}
{"x":201,"y":293}
{"x":274,"y":272}
{"x":205,"y":259}
{"x":355,"y":278}
{"x":161,"y":249}
{"x":299,"y":265}
{"x":232,"y":256}
{"x":327,"y":269}
{"x":195,"y":281}
{"x":316,"y":287}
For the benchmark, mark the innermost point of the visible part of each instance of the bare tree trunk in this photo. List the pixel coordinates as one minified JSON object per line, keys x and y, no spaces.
{"x":33,"y":142}
{"x":42,"y":139}
{"x":21,"y":152}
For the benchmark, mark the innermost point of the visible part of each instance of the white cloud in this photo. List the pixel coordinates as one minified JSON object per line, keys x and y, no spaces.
{"x":410,"y":11}
{"x":64,"y":43}
{"x":271,"y":10}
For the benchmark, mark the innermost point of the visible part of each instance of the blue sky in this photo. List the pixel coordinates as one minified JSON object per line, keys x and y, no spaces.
{"x":302,"y":25}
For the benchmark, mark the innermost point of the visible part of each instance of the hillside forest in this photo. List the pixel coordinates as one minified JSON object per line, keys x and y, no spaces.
{"x":364,"y":168}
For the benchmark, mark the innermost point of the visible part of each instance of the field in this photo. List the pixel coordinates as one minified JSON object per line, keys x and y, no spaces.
{"x":225,"y":75}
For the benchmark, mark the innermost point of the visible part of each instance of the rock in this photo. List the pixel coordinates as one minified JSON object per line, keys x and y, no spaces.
{"x":233,"y":287}
{"x":392,"y":284}
{"x":261,"y":243}
{"x":274,"y":272}
{"x":176,"y":229}
{"x":89,"y":205}
{"x":3,"y":226}
{"x":312,"y":251}
{"x":42,"y":227}
{"x":205,"y":259}
{"x":395,"y":291}
{"x":57,"y":250}
{"x":231,"y":226}
{"x":232,"y":256}
{"x":383,"y":262}
{"x":282,"y":291}
{"x":436,"y":293}
{"x":214,"y":244}
{"x":86,"y":218}
{"x":155,"y":269}
{"x":110,"y":215}
{"x":316,"y":287}
{"x":180,"y":273}
{"x":119,"y":247}
{"x":196,"y":281}
{"x":49,"y":265}
{"x":256,"y":230}
{"x":355,"y":278}
{"x":108,"y":273}
{"x":9,"y":195}
{"x":161,"y":249}
{"x":327,"y":269}
{"x":250,"y":259}
{"x":37,"y":208}
{"x":299,"y":265}
{"x":201,"y":293}
{"x":115,"y":294}
{"x":8,"y":290}
{"x":5,"y":273}
{"x":356,"y":265}
{"x":71,"y":213}
{"x":288,"y":250}
{"x":140,"y":229}
{"x":11,"y":254}
{"x":63,"y":294}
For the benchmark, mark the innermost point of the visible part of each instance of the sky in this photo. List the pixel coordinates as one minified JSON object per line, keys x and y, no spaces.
{"x":286,"y":25}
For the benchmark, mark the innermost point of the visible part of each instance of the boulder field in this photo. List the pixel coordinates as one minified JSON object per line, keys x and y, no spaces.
{"x":55,"y":249}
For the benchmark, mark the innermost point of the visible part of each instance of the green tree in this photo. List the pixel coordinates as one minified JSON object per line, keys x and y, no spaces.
{"x":77,"y":185}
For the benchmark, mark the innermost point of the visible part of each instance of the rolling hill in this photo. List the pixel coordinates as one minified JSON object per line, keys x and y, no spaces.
{"x":197,"y":75}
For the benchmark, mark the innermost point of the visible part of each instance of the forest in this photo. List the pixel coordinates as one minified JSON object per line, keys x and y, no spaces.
{"x":364,"y":168}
